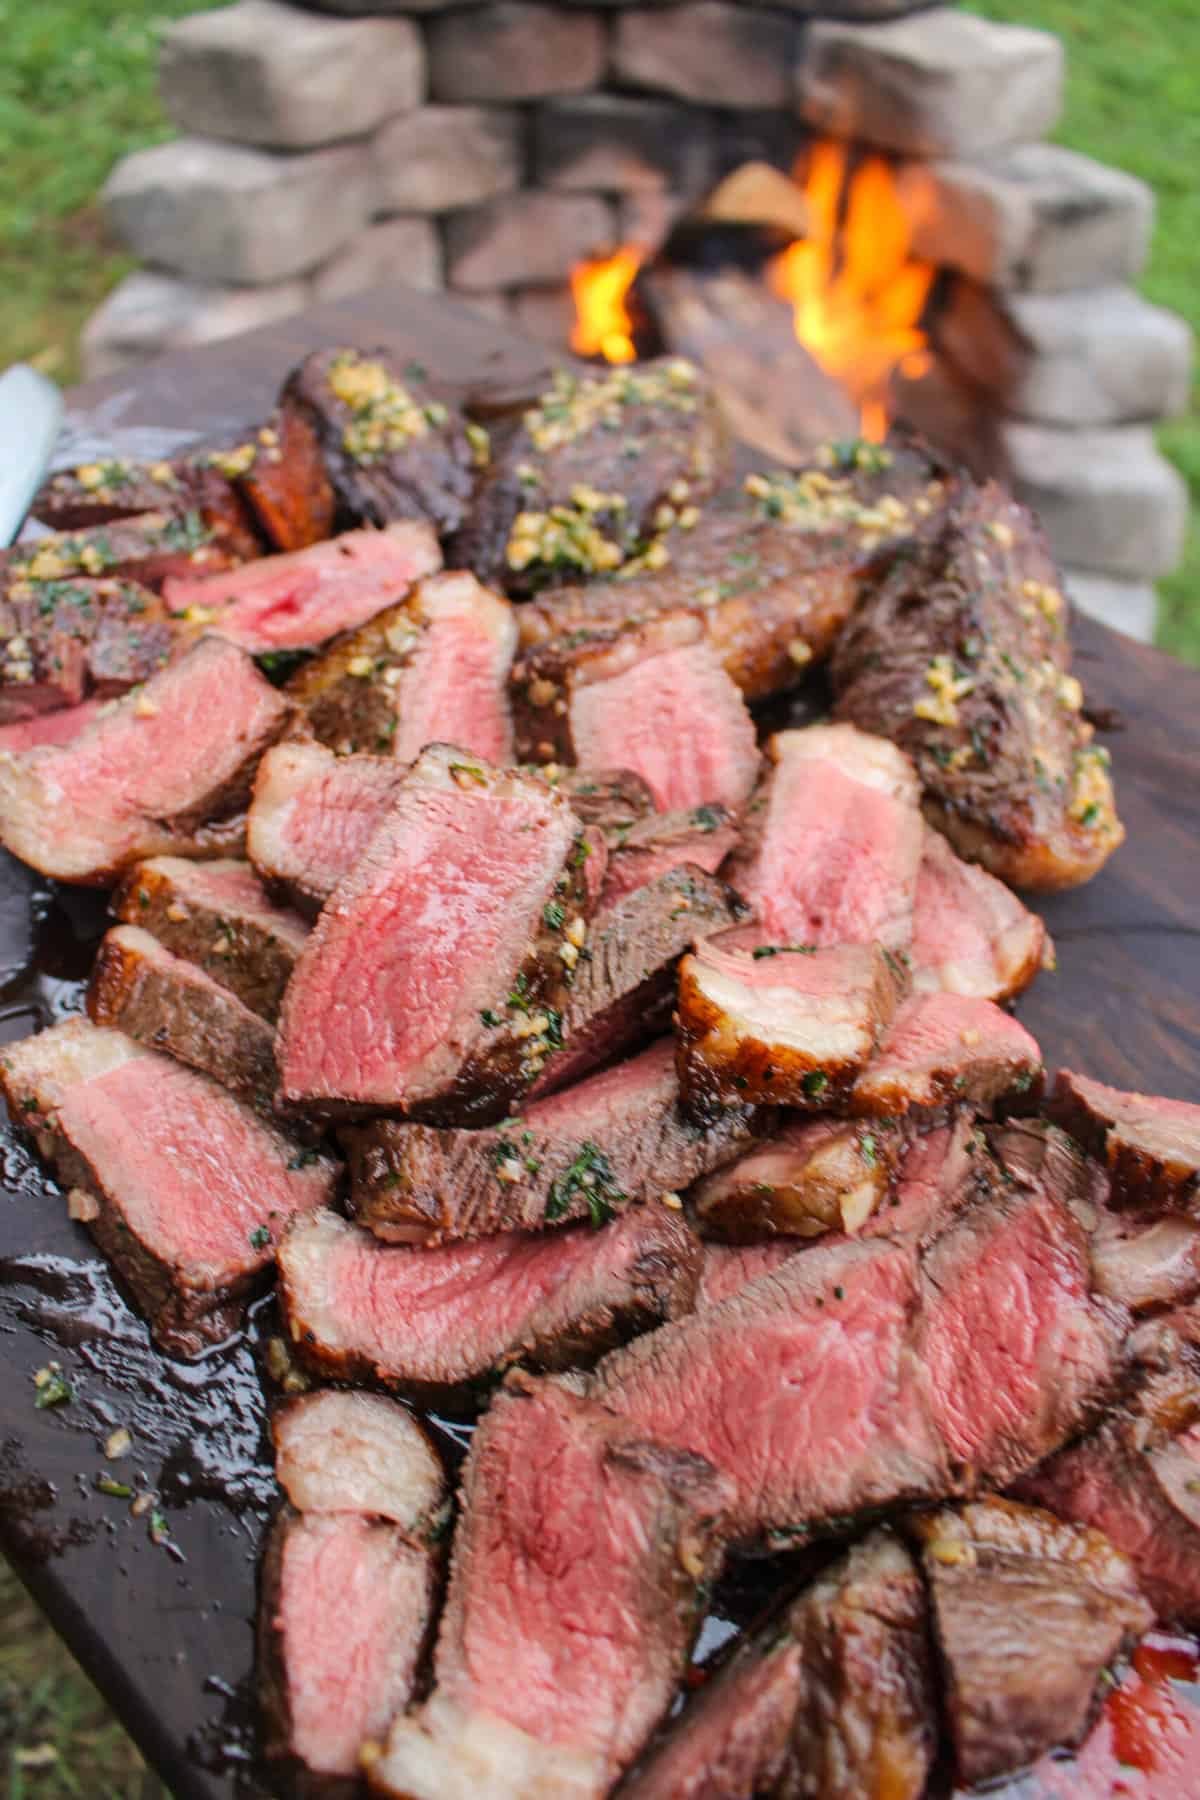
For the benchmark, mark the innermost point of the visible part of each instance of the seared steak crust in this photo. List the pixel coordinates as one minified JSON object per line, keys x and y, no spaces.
{"x":1151,"y":1146}
{"x":613,"y":800}
{"x":63,"y":641}
{"x":394,"y":447}
{"x":99,"y":494}
{"x":944,"y":1049}
{"x":281,"y":473}
{"x":815,"y":1176}
{"x":645,"y":848}
{"x":960,"y":656}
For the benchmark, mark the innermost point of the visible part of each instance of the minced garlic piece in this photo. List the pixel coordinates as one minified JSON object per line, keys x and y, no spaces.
{"x":144,"y":707}
{"x":359,"y":666}
{"x":232,"y":463}
{"x":1070,"y":693}
{"x":47,"y":565}
{"x":1001,"y":533}
{"x":800,"y":653}
{"x":1091,"y":801}
{"x":941,"y":708}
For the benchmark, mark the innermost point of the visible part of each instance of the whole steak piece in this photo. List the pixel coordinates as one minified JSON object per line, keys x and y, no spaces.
{"x":435,"y":980}
{"x":960,"y":656}
{"x":580,"y":486}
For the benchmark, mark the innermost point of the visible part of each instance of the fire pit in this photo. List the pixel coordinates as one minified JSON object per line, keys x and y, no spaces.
{"x":537,"y":159}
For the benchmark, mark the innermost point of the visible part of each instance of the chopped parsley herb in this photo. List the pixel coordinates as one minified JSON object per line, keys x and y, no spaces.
{"x":590,"y":1176}
{"x":53,"y":1388}
{"x":415,"y":371}
{"x":866,"y":1146}
{"x":1090,"y":813}
{"x":1024,"y":1081}
{"x":783,"y":950}
{"x":260,"y":1237}
{"x":839,"y":1293}
{"x":30,"y":1105}
{"x":980,"y":749}
{"x":580,"y":853}
{"x":471,"y":770}
{"x":707,"y":818}
{"x":815,"y":1083}
{"x":489,"y":1018}
{"x":554,"y":1038}
{"x":554,"y":913}
{"x":898,"y":964}
{"x":518,"y":997}
{"x":120,"y":1490}
{"x":159,"y":1530}
{"x":188,"y":533}
{"x":277,"y":664}
{"x":1014,"y":669}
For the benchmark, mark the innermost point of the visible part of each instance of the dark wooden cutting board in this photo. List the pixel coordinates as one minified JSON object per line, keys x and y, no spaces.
{"x":166,"y":1631}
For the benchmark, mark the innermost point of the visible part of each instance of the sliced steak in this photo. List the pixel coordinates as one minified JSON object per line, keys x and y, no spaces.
{"x":281,"y":474}
{"x":971,"y":935}
{"x":61,"y":641}
{"x":139,"y":1136}
{"x":961,"y":657}
{"x":782,"y":1025}
{"x":444,"y":1325}
{"x":613,"y":800}
{"x":936,"y":1174}
{"x":573,"y":1600}
{"x":1136,"y":1477}
{"x":1150,"y":1145}
{"x":57,"y":727}
{"x":946,"y":1047}
{"x":217,"y":915}
{"x":1030,"y":1614}
{"x":98,"y":494}
{"x":435,"y":978}
{"x":348,"y":1582}
{"x":1146,"y":1264}
{"x":773,"y":573}
{"x":148,"y":775}
{"x":147,"y":548}
{"x":393,"y":445}
{"x":158,"y":999}
{"x":835,"y":1698}
{"x":585,"y":1153}
{"x":647,"y":848}
{"x":433,"y":668}
{"x":624,"y":986}
{"x":578,"y":487}
{"x":831,"y":843}
{"x":652,"y":698}
{"x":297,"y":600}
{"x":815,"y":1176}
{"x":312,"y":816}
{"x":728,"y":1268}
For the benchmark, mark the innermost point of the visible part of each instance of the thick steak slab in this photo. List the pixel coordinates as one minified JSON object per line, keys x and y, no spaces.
{"x":831,"y":843}
{"x":436,"y":977}
{"x":312,"y":816}
{"x":148,"y":775}
{"x":814,"y":1176}
{"x":971,"y":934}
{"x":297,"y":600}
{"x":944,"y":1047}
{"x":1030,"y":1613}
{"x":1150,"y":1145}
{"x":445,"y":1324}
{"x":430,"y":669}
{"x":393,"y":446}
{"x":652,"y":698}
{"x":585,"y":1153}
{"x":573,"y":1600}
{"x":61,"y":641}
{"x":787,"y":1026}
{"x":217,"y":915}
{"x":159,"y":999}
{"x":187,"y":1204}
{"x":644,"y":849}
{"x":961,"y":657}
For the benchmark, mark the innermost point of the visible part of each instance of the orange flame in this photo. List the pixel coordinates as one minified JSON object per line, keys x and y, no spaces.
{"x":599,"y":288}
{"x":857,"y":295}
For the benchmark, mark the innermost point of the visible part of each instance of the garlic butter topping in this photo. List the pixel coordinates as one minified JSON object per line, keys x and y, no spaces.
{"x":384,"y":416}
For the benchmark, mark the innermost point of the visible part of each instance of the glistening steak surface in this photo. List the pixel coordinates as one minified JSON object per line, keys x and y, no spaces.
{"x":147,"y":776}
{"x":432,"y":668}
{"x":433,"y":978}
{"x":573,"y":1600}
{"x":443,"y":1323}
{"x":190,"y":1246}
{"x":312,"y":815}
{"x":971,"y":934}
{"x":945,"y":1047}
{"x":1151,"y":1146}
{"x":585,"y":1153}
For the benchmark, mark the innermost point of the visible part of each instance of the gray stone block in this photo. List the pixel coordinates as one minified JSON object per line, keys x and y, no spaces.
{"x":611,"y":143}
{"x":262,"y":72}
{"x":514,"y":51}
{"x":149,"y":314}
{"x":397,"y":252}
{"x":492,"y":306}
{"x":1102,"y":356}
{"x":1109,"y":502}
{"x":1038,"y":216}
{"x":219,"y":212}
{"x":645,"y":217}
{"x":944,"y":83}
{"x":721,"y":55}
{"x":1128,"y":606}
{"x":440,"y":157}
{"x":527,"y":237}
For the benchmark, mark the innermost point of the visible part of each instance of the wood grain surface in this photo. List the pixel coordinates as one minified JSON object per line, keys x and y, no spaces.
{"x":166,"y":1631}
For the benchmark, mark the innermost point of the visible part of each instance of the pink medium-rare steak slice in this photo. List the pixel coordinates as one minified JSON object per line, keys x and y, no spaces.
{"x":445,"y":1324}
{"x":813,"y":1176}
{"x":312,"y":816}
{"x":431,"y":669}
{"x":435,"y":976}
{"x":1029,"y":1615}
{"x":217,"y":915}
{"x":57,"y":727}
{"x":653,"y":698}
{"x":1151,"y":1146}
{"x":785,"y":1025}
{"x":728,"y":1268}
{"x":143,"y":778}
{"x":584,"y":1153}
{"x":159,"y":999}
{"x":835,"y":1699}
{"x":971,"y":934}
{"x":348,"y":1580}
{"x":832,"y":841}
{"x":298,"y":600}
{"x":623,"y":990}
{"x":944,"y":1047}
{"x":181,"y":1184}
{"x":64,"y":641}
{"x":573,"y":1600}
{"x":646,"y":848}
